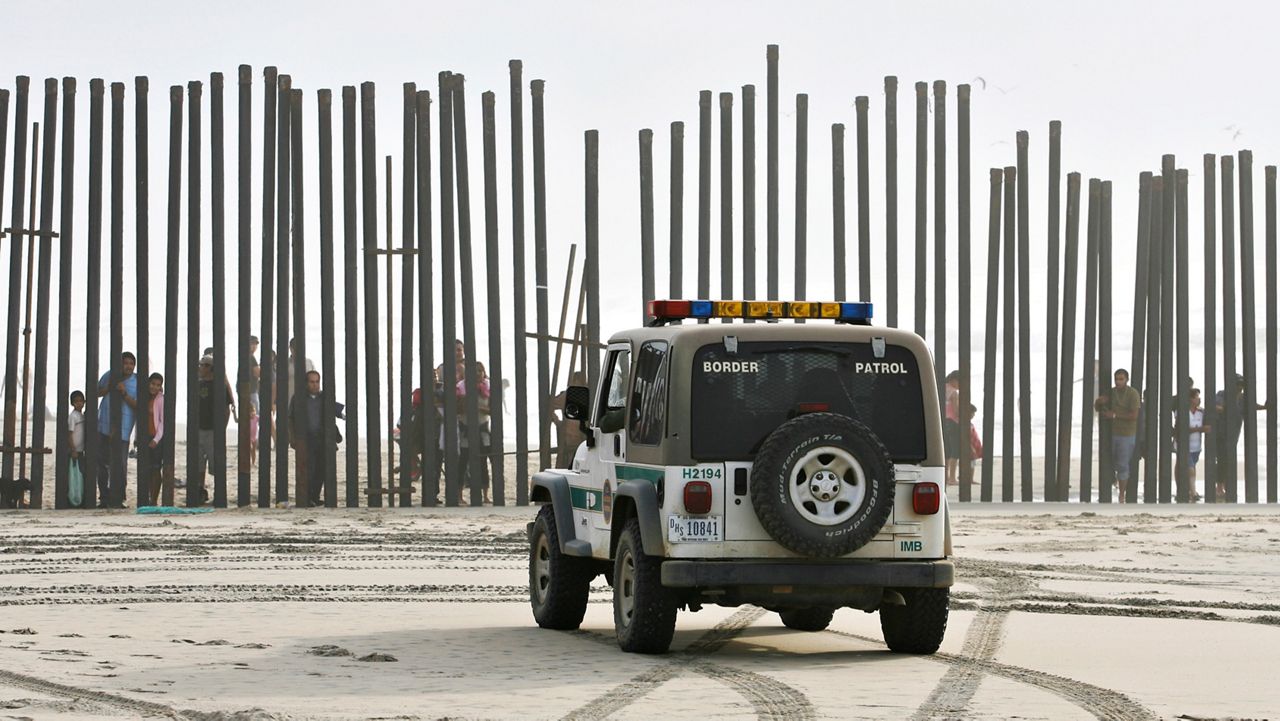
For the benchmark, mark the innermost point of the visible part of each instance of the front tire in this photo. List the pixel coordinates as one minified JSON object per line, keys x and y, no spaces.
{"x":558,"y":584}
{"x":644,"y":611}
{"x":917,"y":627}
{"x":808,"y":619}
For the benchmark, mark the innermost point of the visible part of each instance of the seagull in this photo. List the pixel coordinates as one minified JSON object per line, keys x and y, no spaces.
{"x":980,"y":79}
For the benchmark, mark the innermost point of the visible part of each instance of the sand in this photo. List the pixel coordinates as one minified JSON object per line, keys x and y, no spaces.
{"x":1059,"y":612}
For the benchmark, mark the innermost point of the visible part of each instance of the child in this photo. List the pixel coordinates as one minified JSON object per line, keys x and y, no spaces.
{"x":75,"y":432}
{"x":253,"y":434}
{"x":156,"y":417}
{"x":975,"y":443}
{"x":951,"y":438}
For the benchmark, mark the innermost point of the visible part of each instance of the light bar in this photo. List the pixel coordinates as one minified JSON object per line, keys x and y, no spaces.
{"x":671,"y":310}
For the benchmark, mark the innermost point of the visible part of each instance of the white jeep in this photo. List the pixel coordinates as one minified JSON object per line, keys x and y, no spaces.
{"x":797,"y":467}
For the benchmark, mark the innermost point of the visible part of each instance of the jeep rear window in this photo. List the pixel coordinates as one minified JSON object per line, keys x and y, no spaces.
{"x":738,"y":399}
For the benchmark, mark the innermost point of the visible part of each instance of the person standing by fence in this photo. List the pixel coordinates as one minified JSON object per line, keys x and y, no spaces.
{"x":112,"y":469}
{"x":208,"y":448}
{"x":1120,"y":405}
{"x":306,"y":434}
{"x":156,"y":474}
{"x":75,"y":437}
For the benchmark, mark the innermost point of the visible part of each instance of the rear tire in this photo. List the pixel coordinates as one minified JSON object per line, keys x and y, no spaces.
{"x":558,"y":584}
{"x":919,"y":626}
{"x":808,"y":619}
{"x":644,"y":611}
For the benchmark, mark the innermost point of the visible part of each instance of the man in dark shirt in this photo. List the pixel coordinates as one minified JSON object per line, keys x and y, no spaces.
{"x":1227,"y":429}
{"x":207,"y":458}
{"x":306,"y":435}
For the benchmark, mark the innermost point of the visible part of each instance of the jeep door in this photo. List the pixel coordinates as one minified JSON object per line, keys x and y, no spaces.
{"x":609,"y":416}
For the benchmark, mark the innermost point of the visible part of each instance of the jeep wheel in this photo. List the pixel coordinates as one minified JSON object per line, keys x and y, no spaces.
{"x":807,"y":619}
{"x":917,"y":627}
{"x":822,"y":485}
{"x":644,"y":611}
{"x":558,"y":584}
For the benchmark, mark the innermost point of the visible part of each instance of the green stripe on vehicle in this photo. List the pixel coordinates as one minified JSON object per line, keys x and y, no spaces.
{"x":640,"y":473}
{"x":585,"y":498}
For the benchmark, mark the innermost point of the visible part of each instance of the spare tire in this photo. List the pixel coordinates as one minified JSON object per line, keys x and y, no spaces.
{"x":822,"y":485}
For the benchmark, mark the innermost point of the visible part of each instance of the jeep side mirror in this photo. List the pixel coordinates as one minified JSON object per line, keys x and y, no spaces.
{"x":577,"y":403}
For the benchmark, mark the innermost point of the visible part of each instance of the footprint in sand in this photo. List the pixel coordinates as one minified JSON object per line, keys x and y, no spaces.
{"x":328,"y":650}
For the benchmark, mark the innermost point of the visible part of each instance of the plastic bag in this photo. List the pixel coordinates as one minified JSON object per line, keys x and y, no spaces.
{"x":75,"y":483}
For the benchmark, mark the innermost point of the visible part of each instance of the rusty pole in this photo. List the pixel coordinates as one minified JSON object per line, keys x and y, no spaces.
{"x":46,"y":240}
{"x":173,"y":272}
{"x":217,"y":163}
{"x":864,"y":202}
{"x":67,"y":196}
{"x":16,"y":224}
{"x":1208,"y":277}
{"x":837,"y":209}
{"x":964,"y":264}
{"x":1051,"y":301}
{"x":266,"y":370}
{"x":1248,"y":328}
{"x":492,"y":284}
{"x":1143,"y":263}
{"x":749,"y":192}
{"x":989,"y":338}
{"x":520,"y":281}
{"x":1066,"y":382}
{"x":891,"y":201}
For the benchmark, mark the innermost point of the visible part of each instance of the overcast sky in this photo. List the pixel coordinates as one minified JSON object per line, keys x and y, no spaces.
{"x":1128,"y":81}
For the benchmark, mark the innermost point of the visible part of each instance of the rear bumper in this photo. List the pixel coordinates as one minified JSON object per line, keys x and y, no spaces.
{"x":885,"y":574}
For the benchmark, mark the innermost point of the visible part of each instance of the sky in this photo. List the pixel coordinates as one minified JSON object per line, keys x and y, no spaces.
{"x":1128,"y":81}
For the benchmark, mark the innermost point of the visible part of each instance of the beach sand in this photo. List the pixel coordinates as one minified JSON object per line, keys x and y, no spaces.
{"x":1059,"y":612}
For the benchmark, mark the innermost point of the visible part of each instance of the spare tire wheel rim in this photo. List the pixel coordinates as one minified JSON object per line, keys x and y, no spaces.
{"x":542,"y":568}
{"x":827,"y":486}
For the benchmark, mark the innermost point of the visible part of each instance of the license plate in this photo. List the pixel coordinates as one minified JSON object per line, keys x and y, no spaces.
{"x":688,"y":528}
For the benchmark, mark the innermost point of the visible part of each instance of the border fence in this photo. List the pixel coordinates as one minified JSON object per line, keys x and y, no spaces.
{"x":442,"y":253}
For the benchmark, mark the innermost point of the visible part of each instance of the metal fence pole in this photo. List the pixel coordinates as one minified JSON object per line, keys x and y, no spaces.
{"x":940,"y":270}
{"x":328,"y":304}
{"x":1228,"y":463}
{"x":266,"y":367}
{"x":219,"y":290}
{"x":93,"y":280}
{"x":244,"y":198}
{"x":964,"y":264}
{"x":1010,"y":290}
{"x":40,"y":373}
{"x":536,"y":89}
{"x":449,"y":313}
{"x":771,"y":173}
{"x":168,"y":448}
{"x":1273,"y":384}
{"x":17,"y":222}
{"x":520,"y":284}
{"x":475,"y":465}
{"x":989,"y":338}
{"x":305,"y":470}
{"x":1024,"y":311}
{"x":284,"y":376}
{"x":1167,"y":292}
{"x":66,"y":248}
{"x":350,"y":294}
{"x":369,"y":205}
{"x":726,"y":196}
{"x":426,"y":312}
{"x":1208,"y":277}
{"x":891,"y":201}
{"x":1053,"y":242}
{"x":142,"y":413}
{"x":1106,"y":470}
{"x":864,"y":200}
{"x":1248,"y":328}
{"x":1183,"y":349}
{"x":1140,"y":292}
{"x":920,"y":284}
{"x":676,"y":268}
{"x":1090,"y":340}
{"x":195,"y":482}
{"x":1155,"y":313}
{"x":749,"y":192}
{"x":492,"y":284}
{"x":409,"y":174}
{"x":837,"y":209}
{"x":117,"y":457}
{"x":646,"y":223}
{"x":802,"y":195}
{"x":1066,"y":382}
{"x":591,"y":268}
{"x":704,"y":196}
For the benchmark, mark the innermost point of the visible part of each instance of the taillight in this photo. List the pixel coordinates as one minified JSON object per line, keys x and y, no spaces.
{"x":925,"y":498}
{"x":813,"y":407}
{"x":697,"y":497}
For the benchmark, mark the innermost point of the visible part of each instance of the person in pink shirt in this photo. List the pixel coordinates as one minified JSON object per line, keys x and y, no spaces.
{"x":482,"y":391}
{"x":156,"y":420}
{"x":951,"y":436}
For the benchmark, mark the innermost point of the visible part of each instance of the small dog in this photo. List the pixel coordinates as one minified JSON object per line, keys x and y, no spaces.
{"x":13,"y":492}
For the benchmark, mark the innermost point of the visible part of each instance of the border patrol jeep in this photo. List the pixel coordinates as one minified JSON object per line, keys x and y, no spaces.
{"x":797,"y":467}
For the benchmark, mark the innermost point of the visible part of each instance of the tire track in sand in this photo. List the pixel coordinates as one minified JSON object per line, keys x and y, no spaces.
{"x":1102,"y":703}
{"x":97,"y":698}
{"x":769,"y":697}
